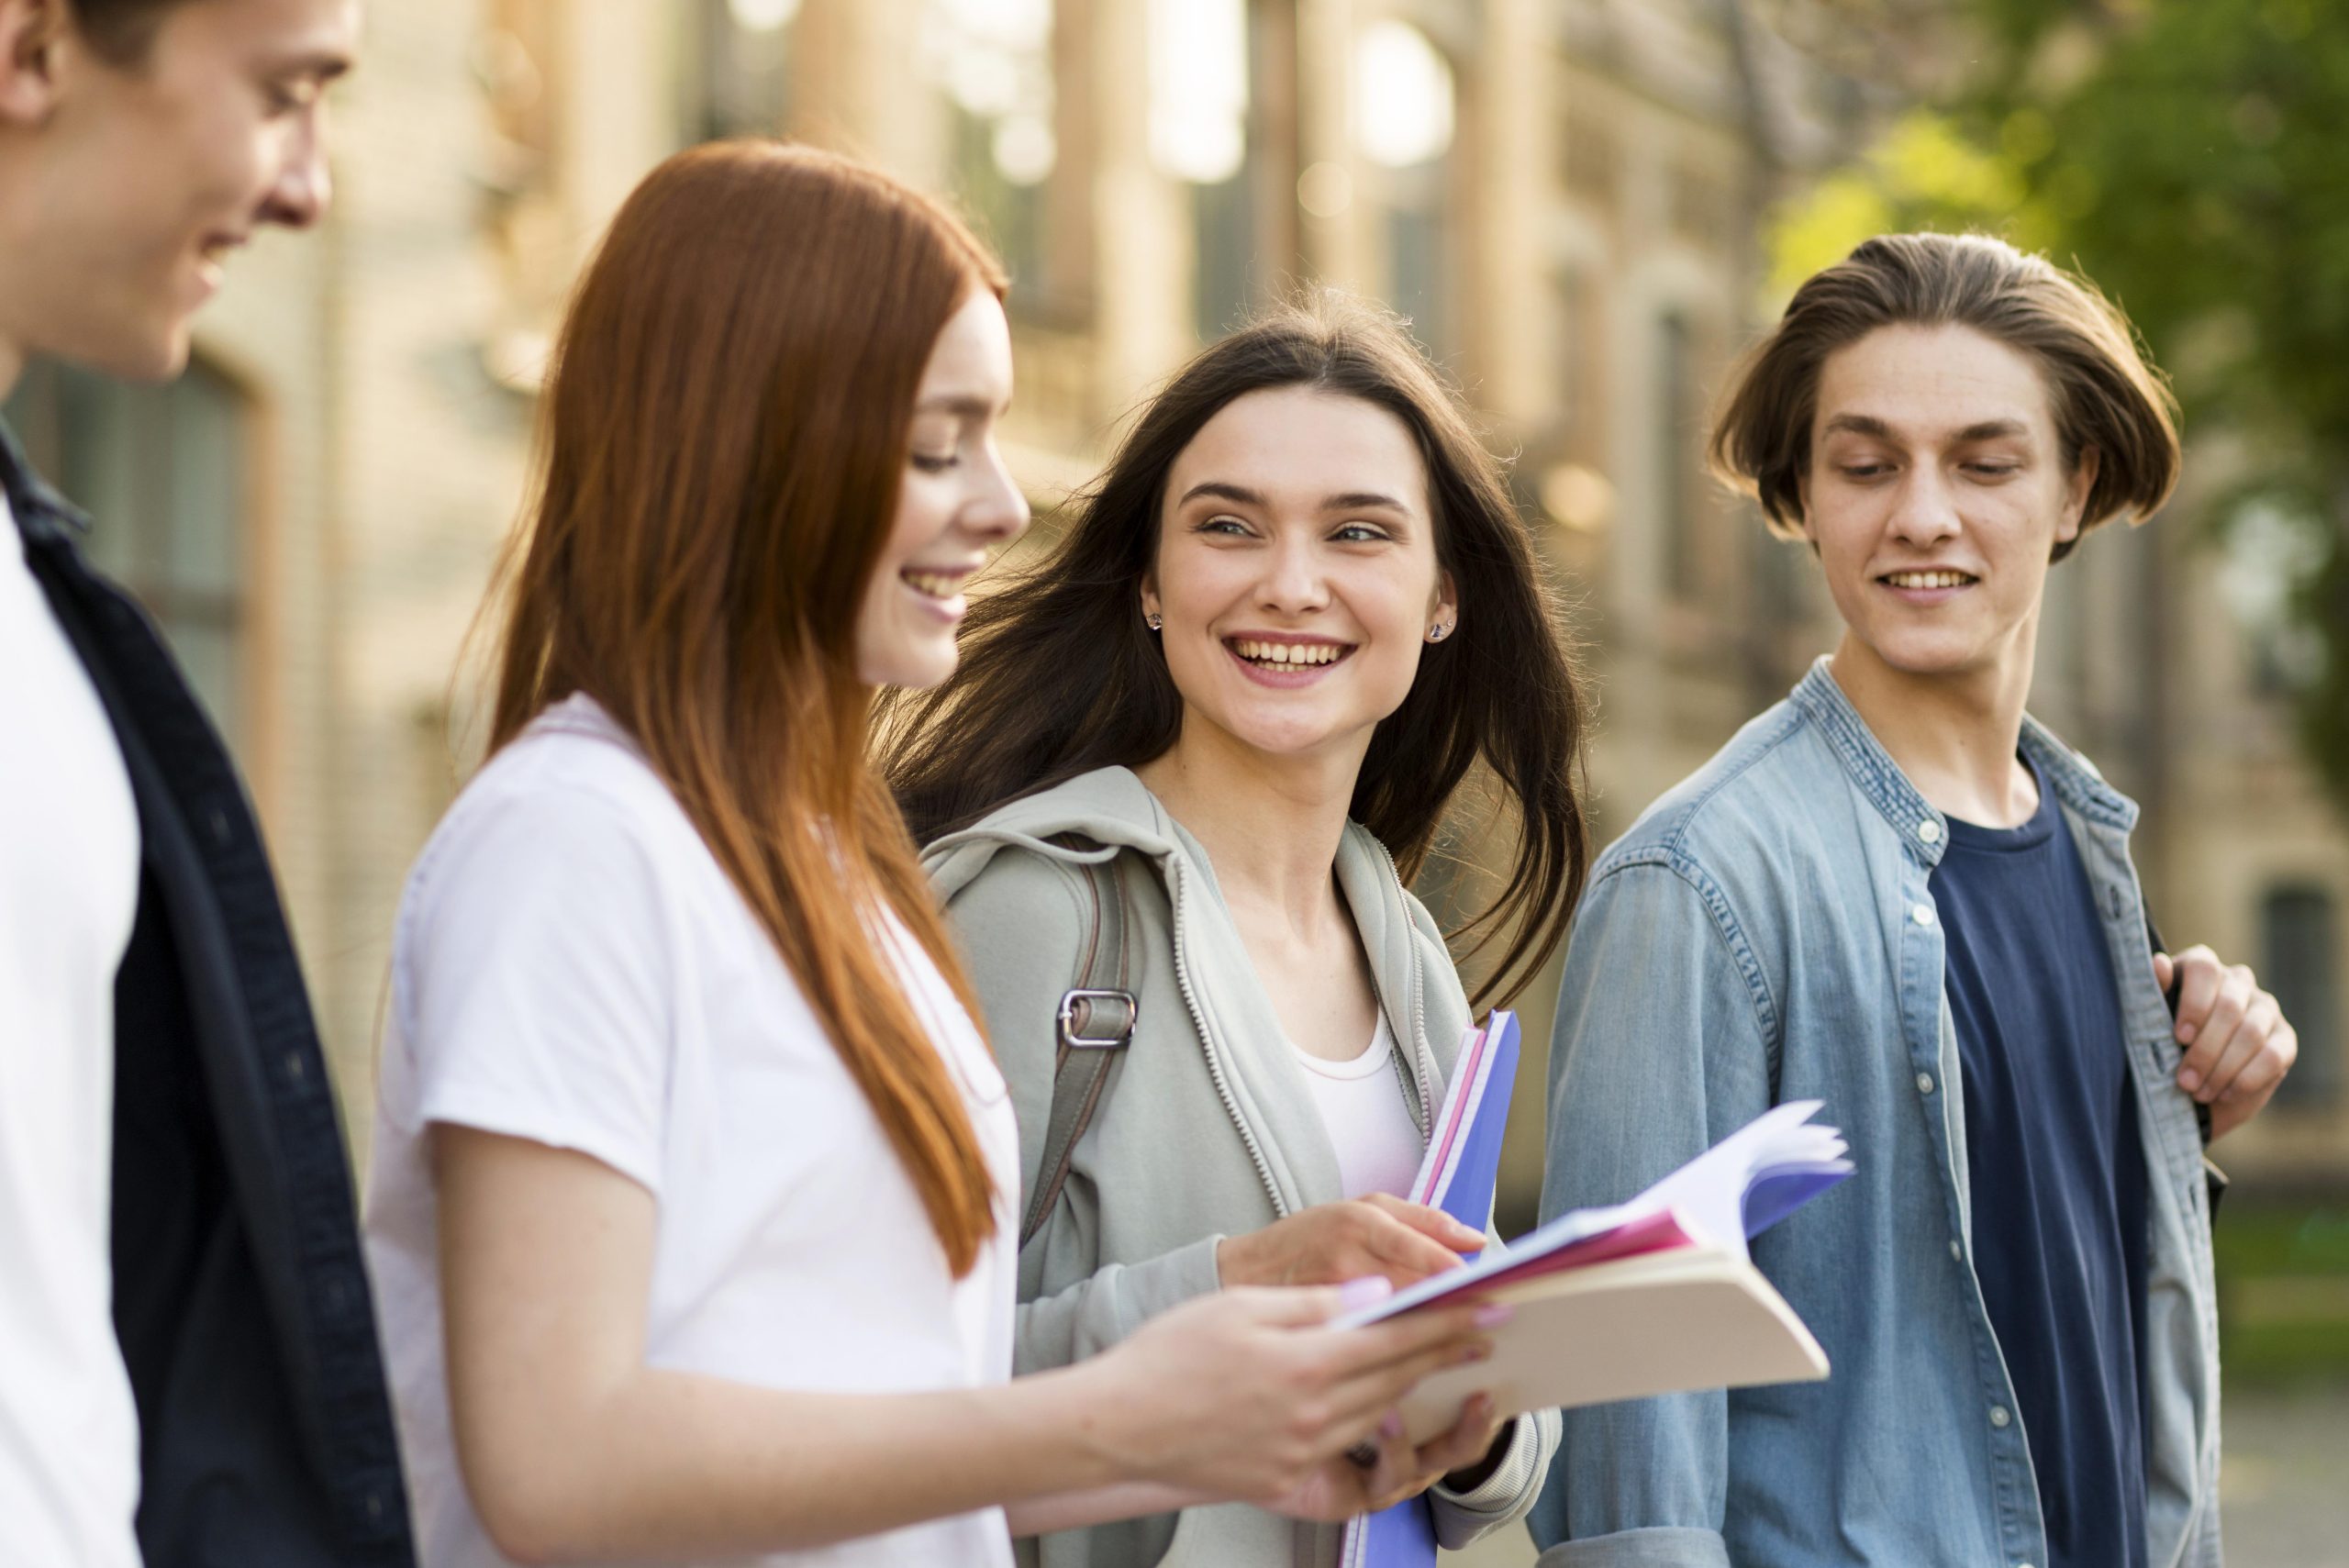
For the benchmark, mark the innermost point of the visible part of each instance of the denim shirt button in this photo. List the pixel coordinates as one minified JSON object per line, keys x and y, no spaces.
{"x":1929,"y":831}
{"x":1922,"y":914}
{"x":1998,"y":1416}
{"x":1957,"y":1249}
{"x":1925,"y":1082}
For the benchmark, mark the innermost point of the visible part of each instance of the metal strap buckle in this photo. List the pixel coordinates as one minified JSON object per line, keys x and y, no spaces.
{"x":1068,"y":1019}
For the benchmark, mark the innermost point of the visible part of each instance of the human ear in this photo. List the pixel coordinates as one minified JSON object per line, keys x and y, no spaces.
{"x":31,"y":33}
{"x":1445,"y":611}
{"x":2075,"y":504}
{"x":1150,"y":596}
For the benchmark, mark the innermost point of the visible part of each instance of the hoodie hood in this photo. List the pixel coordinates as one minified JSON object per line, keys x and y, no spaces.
{"x":1410,"y":969}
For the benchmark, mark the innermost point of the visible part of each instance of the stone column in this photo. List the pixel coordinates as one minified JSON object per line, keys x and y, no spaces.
{"x":1141,"y":229}
{"x":1512,"y":121}
{"x":614,"y":123}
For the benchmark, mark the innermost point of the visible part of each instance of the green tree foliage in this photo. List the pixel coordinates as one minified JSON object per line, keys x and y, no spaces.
{"x":2192,"y":156}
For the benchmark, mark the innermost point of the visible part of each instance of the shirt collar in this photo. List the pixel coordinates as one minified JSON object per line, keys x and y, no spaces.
{"x":39,"y":509}
{"x":1926,"y":831}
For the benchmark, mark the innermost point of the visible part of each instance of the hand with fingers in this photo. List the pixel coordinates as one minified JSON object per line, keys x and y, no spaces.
{"x":1332,"y":1242}
{"x":2237,"y":1043}
{"x":1248,"y":1395}
{"x":1386,"y":1468}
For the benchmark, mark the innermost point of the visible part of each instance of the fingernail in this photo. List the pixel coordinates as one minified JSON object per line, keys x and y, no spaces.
{"x":1392,"y":1427}
{"x":2190,"y":1080}
{"x":1367,"y":1291}
{"x":2185,"y":1033}
{"x":1493,"y":1313}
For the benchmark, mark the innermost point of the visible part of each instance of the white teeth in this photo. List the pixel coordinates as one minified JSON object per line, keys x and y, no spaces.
{"x":1287,"y":654}
{"x":1927,"y":579}
{"x":936,"y":584}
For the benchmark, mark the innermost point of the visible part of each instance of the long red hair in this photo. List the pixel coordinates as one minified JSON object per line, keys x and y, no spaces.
{"x":725,"y":424}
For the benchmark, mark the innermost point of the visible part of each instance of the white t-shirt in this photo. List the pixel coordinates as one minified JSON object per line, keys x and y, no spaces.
{"x":68,"y":888}
{"x":572,"y":966}
{"x":1369,"y":1122}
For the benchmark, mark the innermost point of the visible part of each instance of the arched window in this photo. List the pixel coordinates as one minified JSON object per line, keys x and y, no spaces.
{"x":161,"y":472}
{"x":2299,"y":942}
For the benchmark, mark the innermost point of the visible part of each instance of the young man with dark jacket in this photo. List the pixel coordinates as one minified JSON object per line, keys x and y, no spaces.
{"x":188,"y":1363}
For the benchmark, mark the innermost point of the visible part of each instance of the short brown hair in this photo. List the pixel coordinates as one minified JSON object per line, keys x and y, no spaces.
{"x":2105,"y":395}
{"x":121,"y":31}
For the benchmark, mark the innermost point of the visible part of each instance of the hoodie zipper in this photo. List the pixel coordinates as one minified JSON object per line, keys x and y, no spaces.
{"x":1421,"y":1107}
{"x":1281,"y":1210}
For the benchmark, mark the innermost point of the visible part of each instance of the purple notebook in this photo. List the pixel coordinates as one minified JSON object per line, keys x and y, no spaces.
{"x":1462,"y":1165}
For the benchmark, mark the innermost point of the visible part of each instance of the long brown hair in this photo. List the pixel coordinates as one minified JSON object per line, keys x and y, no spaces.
{"x":1059,"y":675}
{"x":2106,"y":395}
{"x":725,"y":430}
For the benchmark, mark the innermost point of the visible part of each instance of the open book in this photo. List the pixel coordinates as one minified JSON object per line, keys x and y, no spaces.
{"x":1650,"y":1297}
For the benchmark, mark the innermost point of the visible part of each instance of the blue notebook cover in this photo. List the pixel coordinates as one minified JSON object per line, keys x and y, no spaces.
{"x":1458,"y":1174}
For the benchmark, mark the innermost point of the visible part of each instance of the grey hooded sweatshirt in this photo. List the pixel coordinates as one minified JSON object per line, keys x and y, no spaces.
{"x":1206,"y":1127}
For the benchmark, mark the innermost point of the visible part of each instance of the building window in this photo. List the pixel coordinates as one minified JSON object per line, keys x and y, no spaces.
{"x":741,"y":83}
{"x":2300,"y":945}
{"x":1675,"y":498}
{"x":1200,"y":105}
{"x":1407,"y":104}
{"x":161,"y":472}
{"x":994,"y":58}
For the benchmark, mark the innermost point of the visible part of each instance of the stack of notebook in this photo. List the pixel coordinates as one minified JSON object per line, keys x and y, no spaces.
{"x":1654,"y":1296}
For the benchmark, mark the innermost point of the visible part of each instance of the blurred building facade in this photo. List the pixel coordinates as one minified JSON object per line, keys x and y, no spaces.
{"x":1565,"y":196}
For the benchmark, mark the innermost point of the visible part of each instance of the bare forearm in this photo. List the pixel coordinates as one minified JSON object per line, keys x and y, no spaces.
{"x":673,"y":1464}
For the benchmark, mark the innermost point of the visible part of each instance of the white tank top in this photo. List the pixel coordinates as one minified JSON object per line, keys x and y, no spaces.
{"x":1369,"y":1122}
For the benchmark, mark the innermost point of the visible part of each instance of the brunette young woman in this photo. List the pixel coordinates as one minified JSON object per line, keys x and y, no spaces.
{"x":692,"y":1175}
{"x":1280,"y":632}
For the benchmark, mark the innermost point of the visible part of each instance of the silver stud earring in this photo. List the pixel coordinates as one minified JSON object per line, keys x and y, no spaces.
{"x":1437,"y":633}
{"x":1152,"y":622}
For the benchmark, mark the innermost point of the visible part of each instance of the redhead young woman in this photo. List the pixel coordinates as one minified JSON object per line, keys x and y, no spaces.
{"x":692,"y":1184}
{"x":1283,"y":629}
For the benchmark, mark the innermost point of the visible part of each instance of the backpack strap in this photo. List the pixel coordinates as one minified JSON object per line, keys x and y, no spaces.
{"x":1096,"y":1021}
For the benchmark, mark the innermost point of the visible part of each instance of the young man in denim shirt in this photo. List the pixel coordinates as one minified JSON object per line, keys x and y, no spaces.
{"x":188,"y":1365}
{"x":1896,"y":893}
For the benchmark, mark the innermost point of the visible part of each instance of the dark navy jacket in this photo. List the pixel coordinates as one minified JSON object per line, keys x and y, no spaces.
{"x":240,"y":1294}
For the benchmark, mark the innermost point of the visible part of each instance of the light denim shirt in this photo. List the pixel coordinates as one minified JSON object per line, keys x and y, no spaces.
{"x":1766,"y":932}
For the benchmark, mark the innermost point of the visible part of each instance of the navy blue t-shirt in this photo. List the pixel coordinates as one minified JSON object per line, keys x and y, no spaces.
{"x":2057,"y":1172}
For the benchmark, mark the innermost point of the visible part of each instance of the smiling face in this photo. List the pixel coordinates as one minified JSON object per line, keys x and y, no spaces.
{"x":1937,"y":490}
{"x":1296,"y":573}
{"x":138,"y":177}
{"x":956,"y":501}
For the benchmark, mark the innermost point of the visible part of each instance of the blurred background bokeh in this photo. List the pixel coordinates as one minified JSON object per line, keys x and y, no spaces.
{"x":1588,"y":207}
